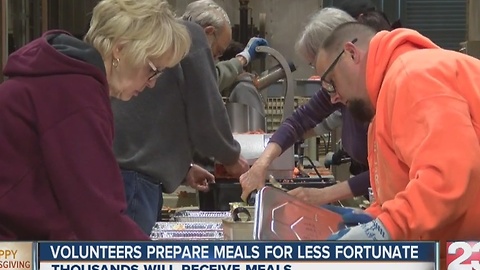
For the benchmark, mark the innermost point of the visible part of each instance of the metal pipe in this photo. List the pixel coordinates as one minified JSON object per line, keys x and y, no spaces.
{"x":288,"y":105}
{"x":262,"y":33}
{"x":271,"y":76}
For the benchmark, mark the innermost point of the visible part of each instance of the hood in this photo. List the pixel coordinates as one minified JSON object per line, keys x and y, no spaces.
{"x":384,"y":49}
{"x":56,"y":52}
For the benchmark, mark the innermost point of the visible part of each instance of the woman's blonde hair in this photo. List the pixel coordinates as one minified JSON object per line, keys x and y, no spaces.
{"x":146,"y":29}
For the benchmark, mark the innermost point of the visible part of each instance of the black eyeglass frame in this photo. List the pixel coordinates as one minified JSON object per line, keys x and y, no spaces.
{"x":156,"y":72}
{"x":327,"y":86}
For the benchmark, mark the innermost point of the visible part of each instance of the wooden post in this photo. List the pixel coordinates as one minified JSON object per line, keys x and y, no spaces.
{"x":472,"y":45}
{"x":473,"y":20}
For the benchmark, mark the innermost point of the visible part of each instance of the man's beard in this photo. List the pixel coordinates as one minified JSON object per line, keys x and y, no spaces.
{"x":360,"y":110}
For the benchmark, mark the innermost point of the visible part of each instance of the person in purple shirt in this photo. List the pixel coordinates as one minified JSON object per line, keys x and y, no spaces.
{"x":320,"y":106}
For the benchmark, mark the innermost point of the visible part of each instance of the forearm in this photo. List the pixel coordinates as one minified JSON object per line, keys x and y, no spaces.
{"x":228,"y":71}
{"x":336,"y":192}
{"x":302,"y":120}
{"x":309,"y":133}
{"x":271,"y":152}
{"x":242,"y":60}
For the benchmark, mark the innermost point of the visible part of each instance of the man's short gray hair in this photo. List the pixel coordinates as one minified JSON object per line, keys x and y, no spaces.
{"x":206,"y":13}
{"x":318,"y":28}
{"x":346,"y":33}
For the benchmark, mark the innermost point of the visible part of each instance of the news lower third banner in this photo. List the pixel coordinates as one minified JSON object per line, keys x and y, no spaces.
{"x":238,"y":255}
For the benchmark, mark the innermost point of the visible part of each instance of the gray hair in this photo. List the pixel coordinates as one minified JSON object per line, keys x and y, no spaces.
{"x":348,"y":32}
{"x":206,"y":13}
{"x":318,"y":28}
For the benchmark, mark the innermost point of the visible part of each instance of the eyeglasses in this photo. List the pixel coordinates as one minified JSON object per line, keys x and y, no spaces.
{"x":217,"y":49}
{"x":156,"y":72}
{"x":329,"y":87}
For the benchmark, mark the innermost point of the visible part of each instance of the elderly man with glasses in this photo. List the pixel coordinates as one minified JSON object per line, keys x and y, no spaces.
{"x":217,"y":27}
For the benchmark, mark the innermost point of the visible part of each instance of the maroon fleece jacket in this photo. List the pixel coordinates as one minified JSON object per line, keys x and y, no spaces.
{"x":58,"y":176}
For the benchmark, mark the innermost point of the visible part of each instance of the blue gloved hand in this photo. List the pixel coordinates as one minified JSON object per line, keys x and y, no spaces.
{"x":249,"y":53}
{"x":351,"y":216}
{"x":373,"y":230}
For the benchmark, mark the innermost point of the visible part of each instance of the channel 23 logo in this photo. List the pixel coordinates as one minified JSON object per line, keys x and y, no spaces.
{"x":463,"y":255}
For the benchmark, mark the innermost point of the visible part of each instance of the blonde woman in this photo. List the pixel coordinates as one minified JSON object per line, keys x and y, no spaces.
{"x":59,"y":179}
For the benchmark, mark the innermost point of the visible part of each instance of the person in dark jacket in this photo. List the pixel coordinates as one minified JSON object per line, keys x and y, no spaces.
{"x":354,"y":133}
{"x":59,"y":179}
{"x":158,"y":132}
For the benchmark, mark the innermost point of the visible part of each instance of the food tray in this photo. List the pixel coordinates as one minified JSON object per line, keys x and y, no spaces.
{"x":189,"y":226}
{"x":167,"y":214}
{"x":201,"y":216}
{"x":280,"y":216}
{"x":187,"y":235}
{"x":225,"y":191}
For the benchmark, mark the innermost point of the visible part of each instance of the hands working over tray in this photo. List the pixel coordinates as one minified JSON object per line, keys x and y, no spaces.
{"x":315,"y":196}
{"x":198,"y":178}
{"x":361,"y":225}
{"x":253,"y":179}
{"x":236,"y":169}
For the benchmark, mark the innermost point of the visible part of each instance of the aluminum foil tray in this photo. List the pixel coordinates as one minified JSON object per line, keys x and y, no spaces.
{"x":187,"y":235}
{"x":201,"y":216}
{"x":189,"y":226}
{"x":280,"y":216}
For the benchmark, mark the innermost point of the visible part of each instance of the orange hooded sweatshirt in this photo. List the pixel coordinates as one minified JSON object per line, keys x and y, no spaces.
{"x":424,"y":150}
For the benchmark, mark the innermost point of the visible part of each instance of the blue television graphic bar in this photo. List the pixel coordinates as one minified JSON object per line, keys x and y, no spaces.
{"x":237,"y":255}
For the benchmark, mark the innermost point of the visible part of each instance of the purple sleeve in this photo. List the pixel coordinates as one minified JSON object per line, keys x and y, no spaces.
{"x":304,"y":118}
{"x":360,"y":183}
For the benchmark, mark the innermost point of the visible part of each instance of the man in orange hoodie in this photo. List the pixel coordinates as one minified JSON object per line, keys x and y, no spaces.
{"x":424,"y":152}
